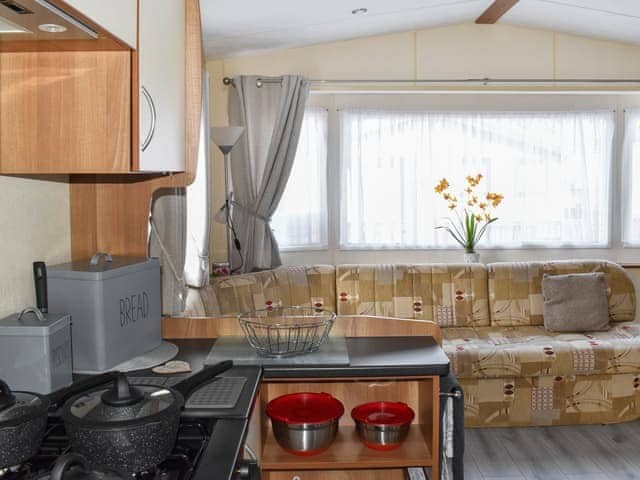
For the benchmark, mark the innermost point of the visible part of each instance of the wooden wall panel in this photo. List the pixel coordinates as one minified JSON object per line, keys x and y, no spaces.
{"x":359,"y":326}
{"x":110,"y":212}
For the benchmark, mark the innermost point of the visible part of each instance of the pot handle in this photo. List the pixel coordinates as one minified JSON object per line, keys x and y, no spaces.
{"x":59,"y":397}
{"x":7,"y":398}
{"x":66,"y":462}
{"x":188,"y":385}
{"x":35,"y":311}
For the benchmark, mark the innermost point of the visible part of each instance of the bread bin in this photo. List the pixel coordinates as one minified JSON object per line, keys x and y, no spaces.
{"x":35,"y":351}
{"x":115,"y":307}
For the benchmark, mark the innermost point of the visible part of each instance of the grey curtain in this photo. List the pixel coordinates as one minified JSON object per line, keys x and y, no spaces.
{"x":167,"y":238}
{"x":261,"y":161}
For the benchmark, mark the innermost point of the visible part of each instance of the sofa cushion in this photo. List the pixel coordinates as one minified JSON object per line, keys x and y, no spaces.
{"x":283,"y":286}
{"x":450,"y":294}
{"x":495,"y":352}
{"x":576,"y":302}
{"x":515,"y":290}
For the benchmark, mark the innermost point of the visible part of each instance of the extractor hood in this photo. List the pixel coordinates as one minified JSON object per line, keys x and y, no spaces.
{"x":28,"y":20}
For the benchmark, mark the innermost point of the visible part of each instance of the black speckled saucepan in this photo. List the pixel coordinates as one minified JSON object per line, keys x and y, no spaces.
{"x":23,"y":417}
{"x":129,"y":429}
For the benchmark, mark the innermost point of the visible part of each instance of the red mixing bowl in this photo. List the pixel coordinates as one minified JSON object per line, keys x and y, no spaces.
{"x":383,"y":425}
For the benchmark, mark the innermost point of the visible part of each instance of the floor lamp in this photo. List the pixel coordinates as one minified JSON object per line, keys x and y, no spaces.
{"x":226,"y":138}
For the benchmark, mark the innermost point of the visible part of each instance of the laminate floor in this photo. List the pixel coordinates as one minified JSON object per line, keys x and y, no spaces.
{"x":577,"y":452}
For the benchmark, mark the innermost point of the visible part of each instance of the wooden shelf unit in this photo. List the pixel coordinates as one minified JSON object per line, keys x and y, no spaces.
{"x":347,"y":458}
{"x":348,"y":453}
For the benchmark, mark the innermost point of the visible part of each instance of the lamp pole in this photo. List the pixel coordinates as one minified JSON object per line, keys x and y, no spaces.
{"x":226,"y":138}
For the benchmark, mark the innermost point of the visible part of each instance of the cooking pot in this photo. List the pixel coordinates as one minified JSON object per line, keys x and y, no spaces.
{"x":130,"y":429}
{"x":305,"y":423}
{"x":23,"y":417}
{"x":383,"y":425}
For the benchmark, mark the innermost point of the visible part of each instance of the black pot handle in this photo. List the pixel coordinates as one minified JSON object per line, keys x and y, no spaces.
{"x":58,"y":397}
{"x":188,"y":385}
{"x":66,"y":462}
{"x":7,"y":398}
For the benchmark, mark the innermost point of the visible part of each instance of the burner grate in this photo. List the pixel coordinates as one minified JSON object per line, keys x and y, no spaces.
{"x":192,"y":439}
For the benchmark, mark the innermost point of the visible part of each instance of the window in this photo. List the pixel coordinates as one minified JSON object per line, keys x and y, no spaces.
{"x":631,"y":177}
{"x":300,"y":222}
{"x":553,"y":168}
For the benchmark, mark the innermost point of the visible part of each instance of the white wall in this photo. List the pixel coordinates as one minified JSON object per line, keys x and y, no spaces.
{"x":35,"y":225}
{"x":458,"y":51}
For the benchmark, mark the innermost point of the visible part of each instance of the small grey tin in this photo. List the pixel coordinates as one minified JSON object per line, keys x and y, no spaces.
{"x":35,"y":351}
{"x":115,"y":305}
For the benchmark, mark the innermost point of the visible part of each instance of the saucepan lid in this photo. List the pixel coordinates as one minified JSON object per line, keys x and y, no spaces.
{"x":19,"y":407}
{"x":122,"y":403}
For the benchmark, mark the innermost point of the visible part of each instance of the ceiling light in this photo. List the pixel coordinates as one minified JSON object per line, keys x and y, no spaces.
{"x":359,"y":11}
{"x":52,"y":28}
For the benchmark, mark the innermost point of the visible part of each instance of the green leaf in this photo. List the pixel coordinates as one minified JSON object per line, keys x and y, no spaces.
{"x":452,"y":233}
{"x":484,"y":228}
{"x":456,"y":228}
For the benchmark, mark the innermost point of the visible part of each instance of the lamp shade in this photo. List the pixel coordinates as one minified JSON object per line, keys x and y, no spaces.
{"x":226,"y":137}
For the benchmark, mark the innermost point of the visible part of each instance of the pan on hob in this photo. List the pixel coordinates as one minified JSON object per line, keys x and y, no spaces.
{"x":23,"y":417}
{"x":128,"y":429}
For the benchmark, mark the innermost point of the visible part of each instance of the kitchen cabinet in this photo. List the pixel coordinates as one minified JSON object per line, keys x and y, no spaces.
{"x":161,"y":92}
{"x":347,"y":458}
{"x":118,"y":17}
{"x":65,"y":112}
{"x":106,"y":111}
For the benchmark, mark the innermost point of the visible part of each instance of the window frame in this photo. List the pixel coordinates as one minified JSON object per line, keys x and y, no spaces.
{"x":472,"y":99}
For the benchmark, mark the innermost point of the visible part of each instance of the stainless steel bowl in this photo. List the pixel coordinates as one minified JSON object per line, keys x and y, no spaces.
{"x":382,"y":437}
{"x":305,"y":438}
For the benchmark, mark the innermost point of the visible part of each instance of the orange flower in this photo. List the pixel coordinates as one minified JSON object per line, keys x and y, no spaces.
{"x":483,"y":205}
{"x":479,"y":218}
{"x":452,"y":206}
{"x":495,"y":198}
{"x":474,"y":181}
{"x":487,"y":217}
{"x":442,"y":186}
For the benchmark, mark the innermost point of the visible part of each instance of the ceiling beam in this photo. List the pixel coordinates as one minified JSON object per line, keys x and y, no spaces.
{"x":495,"y":11}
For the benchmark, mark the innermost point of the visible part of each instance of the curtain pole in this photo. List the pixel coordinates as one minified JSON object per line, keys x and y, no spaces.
{"x":483,"y":81}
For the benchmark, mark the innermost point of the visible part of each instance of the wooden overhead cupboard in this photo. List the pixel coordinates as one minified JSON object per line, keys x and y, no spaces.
{"x":113,"y":105}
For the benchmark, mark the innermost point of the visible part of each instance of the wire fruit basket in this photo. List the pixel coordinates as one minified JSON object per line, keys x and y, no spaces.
{"x":286,"y":331}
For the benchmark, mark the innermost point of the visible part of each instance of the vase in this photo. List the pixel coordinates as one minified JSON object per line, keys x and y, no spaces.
{"x":471,"y":257}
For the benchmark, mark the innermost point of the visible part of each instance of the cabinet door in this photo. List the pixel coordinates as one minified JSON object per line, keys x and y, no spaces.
{"x":162,"y":85}
{"x":118,"y":17}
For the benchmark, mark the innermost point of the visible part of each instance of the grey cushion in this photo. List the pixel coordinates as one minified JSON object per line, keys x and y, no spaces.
{"x":576,"y":302}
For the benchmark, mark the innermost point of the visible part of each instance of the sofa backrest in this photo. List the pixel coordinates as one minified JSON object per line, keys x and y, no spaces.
{"x":515,"y":289}
{"x":453,"y":295}
{"x":285,"y":286}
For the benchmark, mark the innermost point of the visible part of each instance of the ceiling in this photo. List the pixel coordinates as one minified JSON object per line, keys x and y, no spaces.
{"x":240,"y":27}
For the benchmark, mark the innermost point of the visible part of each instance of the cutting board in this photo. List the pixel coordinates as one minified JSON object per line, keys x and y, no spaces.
{"x":333,"y":352}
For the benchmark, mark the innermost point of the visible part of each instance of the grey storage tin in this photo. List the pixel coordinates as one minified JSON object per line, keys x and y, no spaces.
{"x":115,"y":307}
{"x":35,"y":354}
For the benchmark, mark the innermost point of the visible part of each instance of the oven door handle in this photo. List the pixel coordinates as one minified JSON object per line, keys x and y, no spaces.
{"x":247,"y":470}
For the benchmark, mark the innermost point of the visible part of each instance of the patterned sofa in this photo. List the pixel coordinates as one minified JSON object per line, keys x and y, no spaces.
{"x":514,"y":373}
